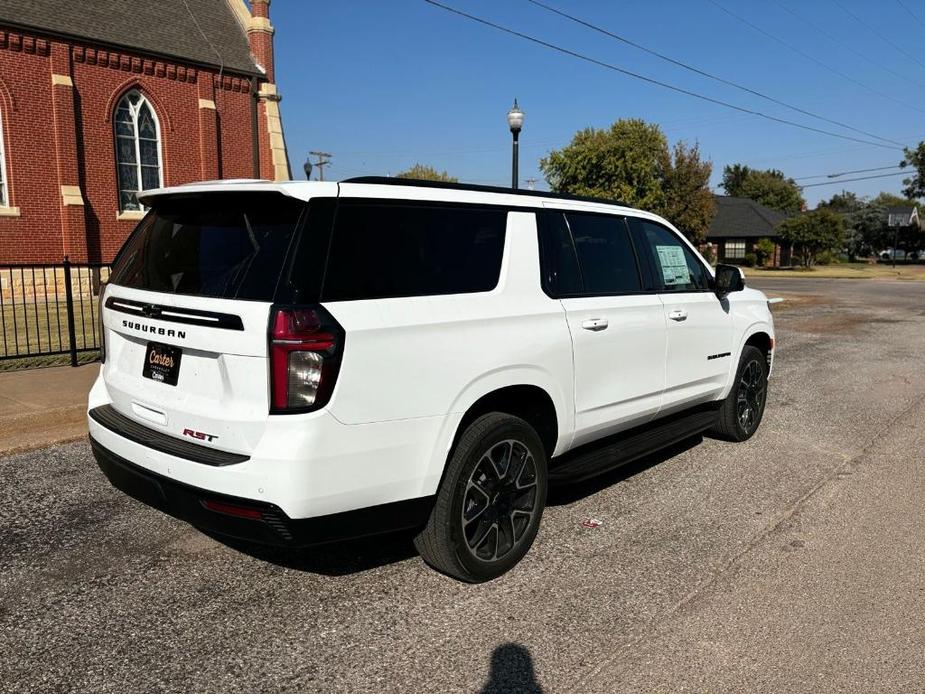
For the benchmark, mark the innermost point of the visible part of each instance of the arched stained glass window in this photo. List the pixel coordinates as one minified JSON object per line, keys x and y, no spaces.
{"x":138,"y":149}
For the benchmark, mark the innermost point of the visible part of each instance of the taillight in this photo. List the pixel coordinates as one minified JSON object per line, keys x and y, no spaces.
{"x":102,"y":327}
{"x":306,"y":344}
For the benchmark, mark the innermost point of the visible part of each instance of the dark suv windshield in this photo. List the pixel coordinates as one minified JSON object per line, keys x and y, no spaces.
{"x":223,"y":245}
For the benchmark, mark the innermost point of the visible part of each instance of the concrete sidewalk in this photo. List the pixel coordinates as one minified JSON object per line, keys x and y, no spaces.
{"x":40,"y":407}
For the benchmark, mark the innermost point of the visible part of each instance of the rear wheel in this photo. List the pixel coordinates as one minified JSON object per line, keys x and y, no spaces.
{"x":489,"y":506}
{"x":743,"y":408}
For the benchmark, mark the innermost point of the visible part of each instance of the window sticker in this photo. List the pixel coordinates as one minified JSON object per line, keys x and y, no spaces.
{"x":674,"y":265}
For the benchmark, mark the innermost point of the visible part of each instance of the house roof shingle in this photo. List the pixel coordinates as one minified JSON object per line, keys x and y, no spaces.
{"x":164,"y":27}
{"x":743,"y":218}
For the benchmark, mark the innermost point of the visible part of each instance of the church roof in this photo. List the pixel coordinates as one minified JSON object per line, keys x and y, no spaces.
{"x":205,"y":32}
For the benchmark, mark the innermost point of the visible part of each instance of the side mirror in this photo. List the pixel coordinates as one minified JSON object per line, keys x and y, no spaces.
{"x":728,"y":278}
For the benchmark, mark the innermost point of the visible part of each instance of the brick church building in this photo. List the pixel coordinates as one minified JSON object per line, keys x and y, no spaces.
{"x":102,"y":98}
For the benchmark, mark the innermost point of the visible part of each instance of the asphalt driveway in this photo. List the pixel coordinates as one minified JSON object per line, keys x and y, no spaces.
{"x":793,"y":562}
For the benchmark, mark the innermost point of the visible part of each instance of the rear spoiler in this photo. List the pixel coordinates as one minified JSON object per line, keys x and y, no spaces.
{"x":300,"y":190}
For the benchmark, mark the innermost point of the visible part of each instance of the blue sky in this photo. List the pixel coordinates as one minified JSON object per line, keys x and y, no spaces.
{"x":384,"y":84}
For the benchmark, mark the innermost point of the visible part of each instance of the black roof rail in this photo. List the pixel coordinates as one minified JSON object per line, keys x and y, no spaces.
{"x":418,"y":183}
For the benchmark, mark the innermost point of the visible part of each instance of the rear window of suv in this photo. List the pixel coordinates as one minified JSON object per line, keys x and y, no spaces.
{"x":223,"y":245}
{"x":400,"y":250}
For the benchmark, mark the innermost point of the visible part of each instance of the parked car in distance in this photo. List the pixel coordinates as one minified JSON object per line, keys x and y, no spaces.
{"x":901,"y":254}
{"x":295,"y":363}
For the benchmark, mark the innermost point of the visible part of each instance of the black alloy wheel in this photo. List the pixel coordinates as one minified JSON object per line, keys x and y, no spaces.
{"x":490,"y":503}
{"x":741,"y":412}
{"x":750,"y":395}
{"x":500,"y":500}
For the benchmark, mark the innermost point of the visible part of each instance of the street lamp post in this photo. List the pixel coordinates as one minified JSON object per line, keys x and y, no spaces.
{"x":515,"y":120}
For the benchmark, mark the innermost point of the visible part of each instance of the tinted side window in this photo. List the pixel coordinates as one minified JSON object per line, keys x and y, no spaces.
{"x":382,"y":250}
{"x":676,"y":268}
{"x":561,"y":276}
{"x":605,"y":254}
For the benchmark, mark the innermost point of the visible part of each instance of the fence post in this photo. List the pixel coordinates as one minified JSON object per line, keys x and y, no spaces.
{"x":69,"y":295}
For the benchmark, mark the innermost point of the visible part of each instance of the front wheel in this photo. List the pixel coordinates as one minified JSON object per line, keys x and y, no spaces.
{"x":742,"y":410}
{"x":490,"y":503}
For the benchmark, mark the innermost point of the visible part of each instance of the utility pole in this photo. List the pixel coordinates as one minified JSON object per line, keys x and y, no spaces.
{"x":531,"y":182}
{"x":324,"y":158}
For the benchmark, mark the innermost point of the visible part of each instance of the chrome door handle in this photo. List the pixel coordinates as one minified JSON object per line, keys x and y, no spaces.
{"x":678,"y":314}
{"x":595,"y":324}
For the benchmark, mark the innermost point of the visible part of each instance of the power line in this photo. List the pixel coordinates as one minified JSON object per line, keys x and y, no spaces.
{"x":848,"y":47}
{"x":846,"y":173}
{"x":915,"y":17}
{"x":704,"y":73}
{"x":644,"y":78}
{"x":806,"y":55}
{"x":877,"y":33}
{"x":849,"y":180}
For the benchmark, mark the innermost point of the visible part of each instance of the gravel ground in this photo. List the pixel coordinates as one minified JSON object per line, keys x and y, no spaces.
{"x":793,"y":562}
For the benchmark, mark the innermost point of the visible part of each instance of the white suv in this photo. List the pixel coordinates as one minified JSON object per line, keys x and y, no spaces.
{"x":295,"y":363}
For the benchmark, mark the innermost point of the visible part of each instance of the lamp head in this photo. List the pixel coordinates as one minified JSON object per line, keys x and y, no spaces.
{"x":515,"y":118}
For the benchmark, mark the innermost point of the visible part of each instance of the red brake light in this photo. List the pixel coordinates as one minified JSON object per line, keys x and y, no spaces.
{"x":305,"y":348}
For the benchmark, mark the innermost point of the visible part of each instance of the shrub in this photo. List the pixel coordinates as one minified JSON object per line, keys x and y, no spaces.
{"x":750,"y":260}
{"x":709,"y":253}
{"x":827,"y":258}
{"x":764,"y":249}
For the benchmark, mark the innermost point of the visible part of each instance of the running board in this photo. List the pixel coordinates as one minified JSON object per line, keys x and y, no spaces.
{"x":601,"y":456}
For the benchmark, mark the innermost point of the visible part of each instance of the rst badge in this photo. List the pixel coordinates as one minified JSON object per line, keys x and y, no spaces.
{"x":200,"y":435}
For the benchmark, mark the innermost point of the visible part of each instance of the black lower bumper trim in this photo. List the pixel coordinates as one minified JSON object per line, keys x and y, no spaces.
{"x":107,"y":416}
{"x":273,"y":527}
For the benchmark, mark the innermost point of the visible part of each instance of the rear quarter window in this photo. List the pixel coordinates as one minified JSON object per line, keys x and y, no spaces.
{"x":222,"y":245}
{"x":401,"y":250}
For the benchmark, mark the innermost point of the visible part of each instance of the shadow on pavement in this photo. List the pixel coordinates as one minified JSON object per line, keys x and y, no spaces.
{"x":353,"y":556}
{"x":511,"y":671}
{"x":335,"y":559}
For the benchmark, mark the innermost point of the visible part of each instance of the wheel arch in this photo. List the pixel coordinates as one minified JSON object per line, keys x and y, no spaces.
{"x":760,"y":335}
{"x":525,"y":392}
{"x":528,"y":402}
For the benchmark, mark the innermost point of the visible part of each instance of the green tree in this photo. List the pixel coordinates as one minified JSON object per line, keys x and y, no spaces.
{"x":845,"y":202}
{"x":908,"y":238}
{"x":630,"y":162}
{"x":864,"y":221}
{"x":915,"y":186}
{"x":866,"y":229}
{"x":812,"y":233}
{"x":769,"y":187}
{"x":422,"y":172}
{"x":885,"y":199}
{"x":622,"y":163}
{"x":688,"y":202}
{"x":734,"y":176}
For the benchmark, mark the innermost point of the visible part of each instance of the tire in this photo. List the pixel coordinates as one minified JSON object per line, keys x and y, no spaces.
{"x":487,"y":511}
{"x":742,"y":410}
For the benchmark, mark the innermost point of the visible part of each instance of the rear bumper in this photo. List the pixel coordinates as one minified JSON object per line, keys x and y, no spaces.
{"x":268,"y":524}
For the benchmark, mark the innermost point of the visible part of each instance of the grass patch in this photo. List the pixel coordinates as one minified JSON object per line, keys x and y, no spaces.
{"x":854,"y":271}
{"x":30,"y":328}
{"x":47,"y":360}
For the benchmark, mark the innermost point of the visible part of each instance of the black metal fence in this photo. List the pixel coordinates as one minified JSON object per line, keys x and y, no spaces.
{"x":49,"y":310}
